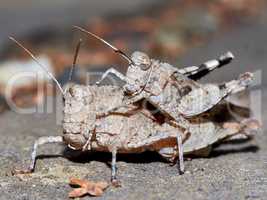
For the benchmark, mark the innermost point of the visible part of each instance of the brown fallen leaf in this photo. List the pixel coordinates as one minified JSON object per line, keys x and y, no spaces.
{"x":87,"y":187}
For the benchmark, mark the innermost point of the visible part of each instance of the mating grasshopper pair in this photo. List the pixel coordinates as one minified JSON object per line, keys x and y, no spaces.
{"x":113,"y":119}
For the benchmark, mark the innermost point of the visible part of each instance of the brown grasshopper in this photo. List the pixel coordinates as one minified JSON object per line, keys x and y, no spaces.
{"x":170,"y":90}
{"x":86,"y":127}
{"x":126,"y":131}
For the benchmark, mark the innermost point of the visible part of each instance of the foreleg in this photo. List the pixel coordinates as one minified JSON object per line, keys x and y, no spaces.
{"x":38,"y":142}
{"x":114,"y":72}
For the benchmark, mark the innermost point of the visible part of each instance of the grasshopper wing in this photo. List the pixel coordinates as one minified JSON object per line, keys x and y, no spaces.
{"x":206,"y":97}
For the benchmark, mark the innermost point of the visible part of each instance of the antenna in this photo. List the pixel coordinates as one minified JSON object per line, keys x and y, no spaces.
{"x":116,"y":50}
{"x":36,"y":60}
{"x":75,"y":58}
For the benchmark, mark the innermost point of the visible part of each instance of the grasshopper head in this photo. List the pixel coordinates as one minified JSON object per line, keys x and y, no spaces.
{"x":76,"y":98}
{"x":77,"y":115}
{"x":141,"y":60}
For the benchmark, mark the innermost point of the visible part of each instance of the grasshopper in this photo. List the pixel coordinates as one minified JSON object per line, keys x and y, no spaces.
{"x":169,"y":89}
{"x":86,"y":127}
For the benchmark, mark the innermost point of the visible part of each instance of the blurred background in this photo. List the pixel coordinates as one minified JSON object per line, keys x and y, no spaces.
{"x":182,"y":32}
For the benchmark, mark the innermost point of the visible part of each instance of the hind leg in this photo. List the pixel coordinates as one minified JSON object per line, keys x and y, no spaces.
{"x":38,"y":142}
{"x":197,"y":72}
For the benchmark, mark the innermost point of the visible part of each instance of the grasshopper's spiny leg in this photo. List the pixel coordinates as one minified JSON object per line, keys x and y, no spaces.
{"x":197,"y":72}
{"x":114,"y":180}
{"x":37,"y":143}
{"x":180,"y":153}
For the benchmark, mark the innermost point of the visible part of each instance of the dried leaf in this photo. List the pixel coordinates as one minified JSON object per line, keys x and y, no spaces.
{"x":79,"y":182}
{"x":102,"y":185}
{"x":87,"y":187}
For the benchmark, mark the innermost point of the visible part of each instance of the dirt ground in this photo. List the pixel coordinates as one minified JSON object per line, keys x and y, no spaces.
{"x":233,"y":171}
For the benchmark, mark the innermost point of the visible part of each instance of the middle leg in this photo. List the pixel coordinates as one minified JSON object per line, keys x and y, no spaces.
{"x":114,"y":179}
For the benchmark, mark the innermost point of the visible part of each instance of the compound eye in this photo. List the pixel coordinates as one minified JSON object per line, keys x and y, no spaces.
{"x":71,"y":91}
{"x":76,"y":92}
{"x":144,"y":66}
